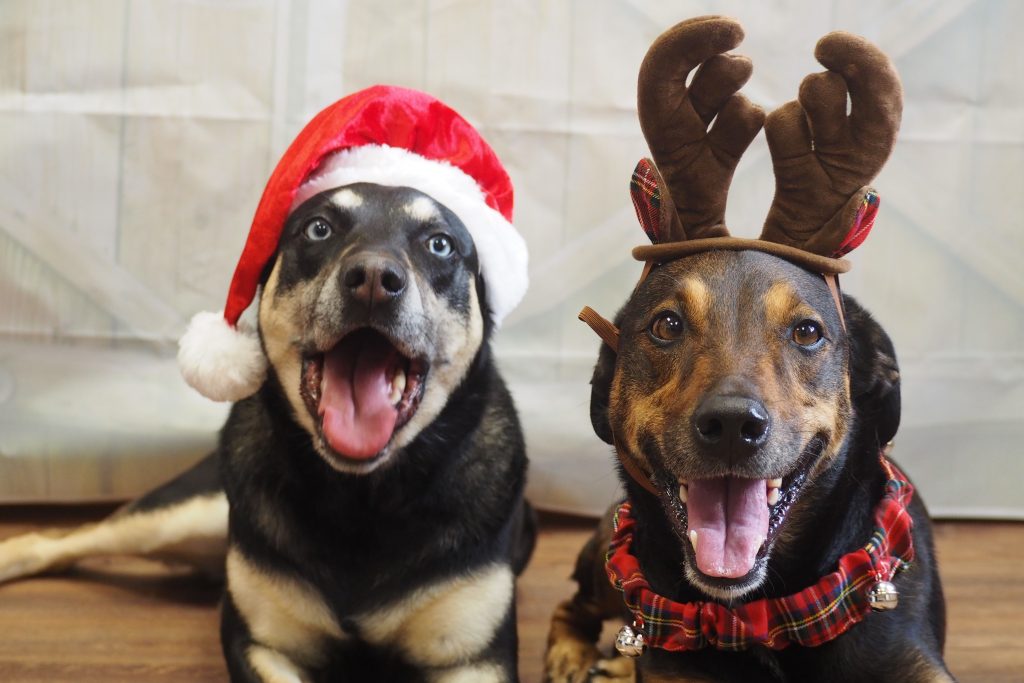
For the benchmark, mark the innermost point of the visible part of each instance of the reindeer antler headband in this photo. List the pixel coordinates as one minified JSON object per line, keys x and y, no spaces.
{"x":822,"y":157}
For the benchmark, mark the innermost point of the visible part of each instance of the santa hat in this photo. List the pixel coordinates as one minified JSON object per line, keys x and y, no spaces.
{"x":385,"y":135}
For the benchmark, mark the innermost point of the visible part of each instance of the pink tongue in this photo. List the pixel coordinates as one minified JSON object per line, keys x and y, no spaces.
{"x":730,"y":516}
{"x":358,"y":418}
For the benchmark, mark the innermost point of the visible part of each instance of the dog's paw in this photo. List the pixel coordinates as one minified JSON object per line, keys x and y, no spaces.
{"x":26,"y":555}
{"x":613,"y":670}
{"x":569,"y":660}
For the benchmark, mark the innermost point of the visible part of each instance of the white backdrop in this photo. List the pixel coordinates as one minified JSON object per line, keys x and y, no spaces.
{"x":135,"y":138}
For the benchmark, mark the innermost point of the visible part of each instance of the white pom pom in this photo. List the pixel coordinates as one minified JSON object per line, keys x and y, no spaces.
{"x":219,"y":361}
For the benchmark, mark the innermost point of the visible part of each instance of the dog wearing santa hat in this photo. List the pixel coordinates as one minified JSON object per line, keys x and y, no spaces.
{"x":365,"y":501}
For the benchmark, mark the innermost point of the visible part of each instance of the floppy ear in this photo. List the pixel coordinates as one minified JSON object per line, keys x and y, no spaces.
{"x":600,"y":389}
{"x":874,"y":373}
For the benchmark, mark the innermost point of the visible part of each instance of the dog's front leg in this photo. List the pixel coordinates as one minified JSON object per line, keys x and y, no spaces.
{"x":249,"y":661}
{"x":572,"y":655}
{"x":274,"y":626}
{"x":459,"y":629}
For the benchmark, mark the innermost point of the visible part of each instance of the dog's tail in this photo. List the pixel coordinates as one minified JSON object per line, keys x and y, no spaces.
{"x":183,"y":521}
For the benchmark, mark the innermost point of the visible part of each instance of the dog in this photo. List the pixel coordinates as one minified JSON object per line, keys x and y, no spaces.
{"x":751,"y":404}
{"x":366,"y":503}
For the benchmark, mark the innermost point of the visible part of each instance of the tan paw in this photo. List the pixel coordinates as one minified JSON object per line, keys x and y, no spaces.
{"x":26,"y":555}
{"x":569,"y":660}
{"x":613,"y":670}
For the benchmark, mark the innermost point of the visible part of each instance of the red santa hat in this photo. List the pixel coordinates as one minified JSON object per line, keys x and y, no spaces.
{"x":385,"y":135}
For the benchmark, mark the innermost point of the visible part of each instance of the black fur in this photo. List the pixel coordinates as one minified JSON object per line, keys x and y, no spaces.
{"x":449,"y":502}
{"x":902,"y":645}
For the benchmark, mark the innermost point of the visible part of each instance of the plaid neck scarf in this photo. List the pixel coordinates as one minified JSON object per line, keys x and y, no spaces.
{"x":811,"y":617}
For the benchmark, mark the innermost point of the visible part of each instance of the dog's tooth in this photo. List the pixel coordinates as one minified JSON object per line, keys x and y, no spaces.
{"x":775,"y":483}
{"x":693,"y":539}
{"x":682,"y":492}
{"x":397,"y":386}
{"x":773,"y":496}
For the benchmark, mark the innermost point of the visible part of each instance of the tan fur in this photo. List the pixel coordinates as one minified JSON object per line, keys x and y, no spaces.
{"x":471,"y":673}
{"x":273,"y":667}
{"x":447,"y":623}
{"x":311,"y":313}
{"x":284,"y":614}
{"x":576,"y":622}
{"x":461,"y":341}
{"x":696,"y":300}
{"x":280,"y":338}
{"x":193,"y":532}
{"x":422,"y":209}
{"x":614,"y":670}
{"x":347,"y":198}
{"x":779,"y":302}
{"x":571,"y":651}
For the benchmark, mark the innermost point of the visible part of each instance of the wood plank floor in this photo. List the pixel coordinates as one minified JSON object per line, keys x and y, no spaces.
{"x":131,"y":620}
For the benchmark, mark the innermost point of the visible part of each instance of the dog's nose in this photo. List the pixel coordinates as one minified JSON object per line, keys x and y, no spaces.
{"x":731,"y":424}
{"x":373,"y":278}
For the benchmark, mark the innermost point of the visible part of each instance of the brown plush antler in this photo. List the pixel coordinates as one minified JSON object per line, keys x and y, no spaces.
{"x":696,"y":163}
{"x":823,"y":158}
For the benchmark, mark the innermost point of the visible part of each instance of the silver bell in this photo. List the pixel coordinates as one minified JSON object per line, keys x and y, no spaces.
{"x":630,"y":643}
{"x":883,"y":596}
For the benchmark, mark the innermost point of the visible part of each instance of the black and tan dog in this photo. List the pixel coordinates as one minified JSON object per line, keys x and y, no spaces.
{"x":749,"y":403}
{"x":375,"y":479}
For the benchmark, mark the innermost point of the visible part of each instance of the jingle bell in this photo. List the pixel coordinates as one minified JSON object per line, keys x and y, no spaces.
{"x":883,"y":596}
{"x":630,"y":643}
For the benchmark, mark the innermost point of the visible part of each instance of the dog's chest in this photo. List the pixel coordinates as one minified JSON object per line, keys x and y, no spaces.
{"x":435,"y":625}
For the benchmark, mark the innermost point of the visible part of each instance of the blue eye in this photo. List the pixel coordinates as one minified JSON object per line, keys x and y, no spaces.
{"x":440,"y":245}
{"x":317,"y":230}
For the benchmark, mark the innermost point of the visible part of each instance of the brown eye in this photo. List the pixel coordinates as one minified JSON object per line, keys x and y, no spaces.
{"x":667,"y":326}
{"x":808,"y":334}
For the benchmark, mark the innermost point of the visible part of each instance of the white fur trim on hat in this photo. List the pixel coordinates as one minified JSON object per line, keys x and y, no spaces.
{"x":500,"y":248}
{"x":221,"y":362}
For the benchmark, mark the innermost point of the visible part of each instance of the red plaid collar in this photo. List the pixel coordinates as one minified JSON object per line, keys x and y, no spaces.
{"x":811,"y":617}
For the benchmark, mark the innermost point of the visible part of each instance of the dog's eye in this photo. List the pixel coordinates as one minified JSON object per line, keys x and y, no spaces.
{"x":808,"y":333}
{"x":318,"y":230}
{"x":439,"y":245}
{"x":667,"y":326}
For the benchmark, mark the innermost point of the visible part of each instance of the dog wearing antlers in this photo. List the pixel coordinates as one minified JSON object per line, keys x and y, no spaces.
{"x":765,"y":534}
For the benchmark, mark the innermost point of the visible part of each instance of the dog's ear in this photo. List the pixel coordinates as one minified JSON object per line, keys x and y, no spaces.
{"x":600,"y":388}
{"x":485,"y":308}
{"x":874,"y":373}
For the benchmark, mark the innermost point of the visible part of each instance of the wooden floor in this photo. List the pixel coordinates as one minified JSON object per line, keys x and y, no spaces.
{"x":131,"y":620}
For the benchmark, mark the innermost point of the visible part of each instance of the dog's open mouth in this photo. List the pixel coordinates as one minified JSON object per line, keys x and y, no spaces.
{"x":361,"y":391}
{"x":730,"y":522}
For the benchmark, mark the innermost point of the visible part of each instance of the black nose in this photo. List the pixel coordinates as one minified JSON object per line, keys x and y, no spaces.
{"x":374,"y":278}
{"x":731,"y":425}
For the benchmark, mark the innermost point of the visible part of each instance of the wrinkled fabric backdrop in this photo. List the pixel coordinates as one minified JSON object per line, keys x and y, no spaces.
{"x":135,"y":138}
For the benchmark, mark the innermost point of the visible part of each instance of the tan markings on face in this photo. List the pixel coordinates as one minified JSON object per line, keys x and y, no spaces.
{"x":643,"y":412}
{"x":283,"y":613}
{"x":696,"y":300}
{"x":779,"y":302}
{"x":274,"y":667}
{"x":281,"y":329}
{"x":422,"y":209}
{"x":347,"y":198}
{"x":315,"y":312}
{"x":446,"y":623}
{"x":458,"y":341}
